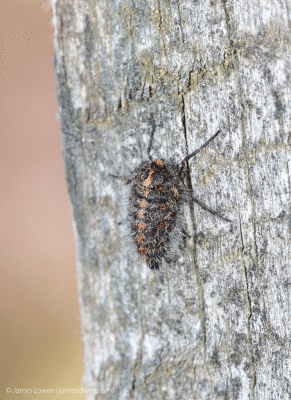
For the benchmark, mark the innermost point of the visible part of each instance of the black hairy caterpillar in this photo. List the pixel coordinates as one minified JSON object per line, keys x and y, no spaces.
{"x":157,"y":193}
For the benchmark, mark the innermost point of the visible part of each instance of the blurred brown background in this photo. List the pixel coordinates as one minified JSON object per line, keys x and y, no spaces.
{"x":39,"y":321}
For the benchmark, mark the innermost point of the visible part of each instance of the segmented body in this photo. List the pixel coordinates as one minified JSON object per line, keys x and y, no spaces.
{"x":154,"y":207}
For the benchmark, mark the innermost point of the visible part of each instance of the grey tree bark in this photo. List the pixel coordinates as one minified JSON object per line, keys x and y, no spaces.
{"x":214,"y":323}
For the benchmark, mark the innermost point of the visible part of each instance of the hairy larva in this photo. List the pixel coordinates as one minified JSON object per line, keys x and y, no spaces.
{"x":156,"y":195}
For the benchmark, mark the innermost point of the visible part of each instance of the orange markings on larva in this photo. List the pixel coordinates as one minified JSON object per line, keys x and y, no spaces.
{"x":141,"y":213}
{"x":143,"y":204}
{"x":160,"y":163}
{"x":176,"y":192}
{"x":147,"y":182}
{"x":163,"y":226}
{"x":140,"y":225}
{"x":142,"y":249}
{"x":139,"y":238}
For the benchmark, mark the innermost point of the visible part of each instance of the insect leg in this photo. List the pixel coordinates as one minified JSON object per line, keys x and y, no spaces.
{"x":122,"y":178}
{"x":209,"y":209}
{"x":196,"y":152}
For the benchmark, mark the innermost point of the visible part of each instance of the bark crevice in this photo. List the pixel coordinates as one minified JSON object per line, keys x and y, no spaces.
{"x":202,"y":311}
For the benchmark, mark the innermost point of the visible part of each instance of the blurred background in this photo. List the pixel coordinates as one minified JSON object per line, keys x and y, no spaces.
{"x":40,"y":333}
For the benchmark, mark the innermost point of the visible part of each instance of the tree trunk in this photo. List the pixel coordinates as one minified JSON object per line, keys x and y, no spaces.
{"x":214,"y":321}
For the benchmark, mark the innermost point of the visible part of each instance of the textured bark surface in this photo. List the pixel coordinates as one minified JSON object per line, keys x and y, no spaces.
{"x":215,"y":322}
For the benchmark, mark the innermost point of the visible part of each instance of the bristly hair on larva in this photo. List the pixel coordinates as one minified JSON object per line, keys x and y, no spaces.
{"x":155,"y":201}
